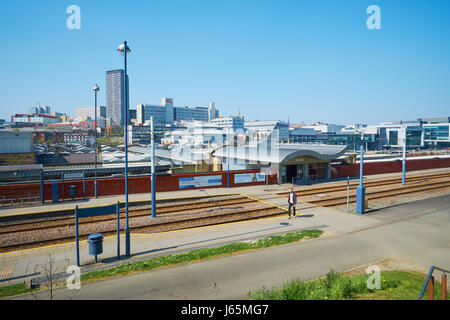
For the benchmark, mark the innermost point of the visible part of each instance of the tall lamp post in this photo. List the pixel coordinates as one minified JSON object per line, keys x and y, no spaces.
{"x":361,"y":190}
{"x":96,"y":89}
{"x":123,"y":48}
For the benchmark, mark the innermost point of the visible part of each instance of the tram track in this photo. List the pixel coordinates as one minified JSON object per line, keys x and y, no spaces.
{"x":140,"y":211}
{"x":27,"y":240}
{"x":354,"y":184}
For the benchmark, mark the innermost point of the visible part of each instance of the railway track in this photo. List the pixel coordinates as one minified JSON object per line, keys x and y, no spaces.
{"x":354,"y":184}
{"x":141,"y":211}
{"x":172,"y":223}
{"x":391,"y":192}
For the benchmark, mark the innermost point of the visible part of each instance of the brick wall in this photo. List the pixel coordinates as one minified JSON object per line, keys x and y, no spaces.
{"x":116,"y":186}
{"x":352,"y":170}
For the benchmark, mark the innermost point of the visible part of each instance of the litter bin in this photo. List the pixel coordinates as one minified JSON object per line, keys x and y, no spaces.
{"x":95,"y":241}
{"x":55,"y":192}
{"x":72,"y":191}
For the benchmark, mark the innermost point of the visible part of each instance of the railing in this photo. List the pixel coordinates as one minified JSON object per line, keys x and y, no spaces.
{"x":19,"y":200}
{"x":429,"y":282}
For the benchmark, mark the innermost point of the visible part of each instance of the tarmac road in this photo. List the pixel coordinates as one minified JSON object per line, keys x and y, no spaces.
{"x":417,"y":231}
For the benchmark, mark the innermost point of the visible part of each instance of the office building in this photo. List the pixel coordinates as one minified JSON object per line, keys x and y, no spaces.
{"x":234,"y":123}
{"x":167,"y":113}
{"x":213,"y":113}
{"x":268,"y":129}
{"x":84,"y":113}
{"x":34,"y":119}
{"x":38,"y":109}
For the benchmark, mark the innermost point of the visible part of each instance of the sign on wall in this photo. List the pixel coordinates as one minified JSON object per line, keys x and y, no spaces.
{"x":249,"y":177}
{"x":200,"y":181}
{"x":74,"y":175}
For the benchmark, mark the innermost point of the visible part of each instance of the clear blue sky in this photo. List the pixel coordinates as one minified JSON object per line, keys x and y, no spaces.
{"x":306,"y":60}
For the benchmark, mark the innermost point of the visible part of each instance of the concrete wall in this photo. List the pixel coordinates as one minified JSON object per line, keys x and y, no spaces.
{"x":15,"y":142}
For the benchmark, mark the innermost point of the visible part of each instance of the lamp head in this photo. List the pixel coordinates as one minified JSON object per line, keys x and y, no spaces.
{"x":96,"y":88}
{"x":121,"y":48}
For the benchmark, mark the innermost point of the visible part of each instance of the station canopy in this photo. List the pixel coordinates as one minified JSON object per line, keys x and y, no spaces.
{"x":280,"y":153}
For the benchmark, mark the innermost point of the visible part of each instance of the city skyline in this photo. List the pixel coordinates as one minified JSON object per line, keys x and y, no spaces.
{"x":316,"y":64}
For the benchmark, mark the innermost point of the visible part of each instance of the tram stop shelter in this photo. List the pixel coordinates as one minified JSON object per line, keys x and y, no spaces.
{"x":295,"y":162}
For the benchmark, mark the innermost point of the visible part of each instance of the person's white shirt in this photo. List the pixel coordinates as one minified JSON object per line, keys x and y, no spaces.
{"x":291,"y":197}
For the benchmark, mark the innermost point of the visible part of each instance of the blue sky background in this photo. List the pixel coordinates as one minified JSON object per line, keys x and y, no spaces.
{"x":306,"y":60}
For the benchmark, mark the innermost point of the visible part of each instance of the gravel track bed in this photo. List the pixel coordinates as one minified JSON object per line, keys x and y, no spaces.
{"x":166,"y":210}
{"x":331,"y":195}
{"x":395,"y":200}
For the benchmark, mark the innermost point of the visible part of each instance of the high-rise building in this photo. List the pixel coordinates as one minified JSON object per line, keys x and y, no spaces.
{"x":115,"y":96}
{"x":213,"y":113}
{"x":38,"y":109}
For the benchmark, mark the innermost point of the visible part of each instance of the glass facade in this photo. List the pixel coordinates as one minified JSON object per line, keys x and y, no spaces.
{"x":189,"y":114}
{"x":352,"y":141}
{"x":436,"y":133}
{"x":414,"y":136}
{"x":393,"y":138}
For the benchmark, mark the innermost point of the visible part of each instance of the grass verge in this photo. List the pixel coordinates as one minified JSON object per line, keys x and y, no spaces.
{"x":395,"y":285}
{"x":169,"y":260}
{"x":201,"y":254}
{"x":14,"y":290}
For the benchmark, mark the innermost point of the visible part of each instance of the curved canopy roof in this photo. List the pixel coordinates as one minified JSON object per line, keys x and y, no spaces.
{"x":281,"y":153}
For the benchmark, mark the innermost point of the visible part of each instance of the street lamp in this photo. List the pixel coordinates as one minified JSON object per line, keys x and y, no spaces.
{"x":123,"y":48}
{"x":96,"y":89}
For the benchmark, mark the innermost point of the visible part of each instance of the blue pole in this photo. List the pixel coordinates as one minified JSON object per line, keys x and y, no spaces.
{"x":84,"y":186}
{"x":228,"y":164}
{"x":404,"y":163}
{"x":361,"y":190}
{"x":125,"y":122}
{"x":95,"y":145}
{"x":42,"y":187}
{"x":76,"y":235}
{"x":153,"y":184}
{"x":63,"y":186}
{"x":118,"y":230}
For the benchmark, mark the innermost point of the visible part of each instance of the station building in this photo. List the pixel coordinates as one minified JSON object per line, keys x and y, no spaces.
{"x":300,"y":161}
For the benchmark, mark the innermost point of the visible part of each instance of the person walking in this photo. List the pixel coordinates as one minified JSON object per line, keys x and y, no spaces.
{"x":292,"y":201}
